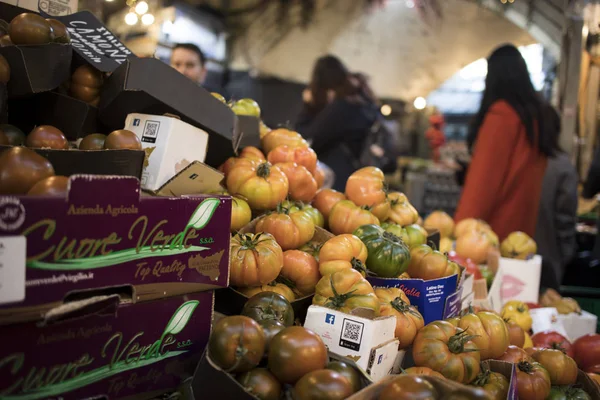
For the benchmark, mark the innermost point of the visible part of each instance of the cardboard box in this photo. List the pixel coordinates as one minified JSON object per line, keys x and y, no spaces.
{"x":93,"y":239}
{"x":578,"y":325}
{"x":170,"y":145}
{"x":93,"y":162}
{"x":509,"y":371}
{"x":149,"y":86}
{"x":368,"y":341}
{"x":249,"y":130}
{"x":50,"y":7}
{"x":103,"y":347}
{"x":435,"y":299}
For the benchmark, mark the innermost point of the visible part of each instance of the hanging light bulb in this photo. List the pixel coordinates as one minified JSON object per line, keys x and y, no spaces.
{"x":141,"y":8}
{"x":147,"y":19}
{"x":131,"y":18}
{"x":420,"y":103}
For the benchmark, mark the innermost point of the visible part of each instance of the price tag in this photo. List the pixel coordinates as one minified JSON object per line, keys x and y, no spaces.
{"x":13,"y":254}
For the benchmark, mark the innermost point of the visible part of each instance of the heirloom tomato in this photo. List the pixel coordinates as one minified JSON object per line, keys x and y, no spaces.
{"x":346,"y":217}
{"x":514,"y":355}
{"x":518,"y":312}
{"x":282,"y":136}
{"x":489,"y":331}
{"x":253,"y":153}
{"x":346,"y":290}
{"x":515,"y":333}
{"x":276,"y":287}
{"x":595,"y":377}
{"x":271,"y":327}
{"x":408,"y":319}
{"x":402,"y":212}
{"x":269,"y":305}
{"x":561,"y":368}
{"x":388,"y":256}
{"x":255,"y":259}
{"x":304,"y":156}
{"x":236,"y":344}
{"x":476,"y":245}
{"x":518,"y":245}
{"x":448,"y":350}
{"x":587,"y":351}
{"x":528,"y":342}
{"x":439,"y":220}
{"x":262,"y":184}
{"x":494,"y":383}
{"x":344,"y":251}
{"x":240,"y":213}
{"x":313,"y":248}
{"x":348,"y":372}
{"x":423,"y":371}
{"x":416,"y":235}
{"x":319,"y":175}
{"x":322,"y":384}
{"x":533,"y":381}
{"x":325,"y":199}
{"x":396,"y":229}
{"x":408,"y":387}
{"x":366,"y":187}
{"x":386,"y":295}
{"x":290,"y":229}
{"x":553,"y":340}
{"x":466,"y":394}
{"x":300,"y":271}
{"x":469,"y":225}
{"x":294,"y":352}
{"x":261,"y":383}
{"x":315,"y":214}
{"x":426,"y":263}
{"x":302,"y":185}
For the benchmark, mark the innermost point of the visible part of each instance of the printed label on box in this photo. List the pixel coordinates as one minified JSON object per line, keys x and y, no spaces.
{"x":351,"y":334}
{"x":453,"y":304}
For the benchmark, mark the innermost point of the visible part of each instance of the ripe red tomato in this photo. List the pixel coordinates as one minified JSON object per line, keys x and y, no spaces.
{"x":553,"y":340}
{"x":587,"y":351}
{"x":470,"y":267}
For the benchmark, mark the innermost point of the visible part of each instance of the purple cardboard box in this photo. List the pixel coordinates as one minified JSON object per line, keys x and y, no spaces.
{"x":103,"y":348}
{"x":104,"y":235}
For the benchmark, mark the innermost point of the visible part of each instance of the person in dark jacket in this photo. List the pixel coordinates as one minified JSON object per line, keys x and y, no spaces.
{"x":557,"y":214}
{"x":339,"y":110}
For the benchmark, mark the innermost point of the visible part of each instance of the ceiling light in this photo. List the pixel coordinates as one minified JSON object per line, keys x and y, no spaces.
{"x":147,"y":19}
{"x":141,"y":7}
{"x":410,"y":4}
{"x":386,"y":109}
{"x":131,"y":18}
{"x":420,"y":103}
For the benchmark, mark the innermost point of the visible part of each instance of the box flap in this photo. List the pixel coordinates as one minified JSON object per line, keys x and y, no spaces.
{"x":196,"y":178}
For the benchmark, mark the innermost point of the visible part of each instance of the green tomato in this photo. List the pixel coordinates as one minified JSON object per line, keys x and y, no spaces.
{"x":388,"y":255}
{"x":417,"y":235}
{"x":575,"y":393}
{"x":396,"y":230}
{"x":314,"y":214}
{"x":556,"y":394}
{"x":487,"y":274}
{"x":246,"y":107}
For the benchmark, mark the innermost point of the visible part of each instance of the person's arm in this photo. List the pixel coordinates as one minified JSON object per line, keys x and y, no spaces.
{"x":490,"y":162}
{"x":592,"y":183}
{"x":565,"y":217}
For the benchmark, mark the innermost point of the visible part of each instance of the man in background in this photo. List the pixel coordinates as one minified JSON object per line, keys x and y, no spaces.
{"x":189,"y":60}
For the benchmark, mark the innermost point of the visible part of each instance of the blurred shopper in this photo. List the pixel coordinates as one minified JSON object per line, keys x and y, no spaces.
{"x":435,"y":135}
{"x":510,"y":143}
{"x":557,"y":217}
{"x":339,"y":111}
{"x":189,"y":60}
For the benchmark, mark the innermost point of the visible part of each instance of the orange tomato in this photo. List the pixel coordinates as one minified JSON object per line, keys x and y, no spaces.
{"x":402,"y":212}
{"x":366,"y":187}
{"x":326,"y":199}
{"x":382,"y":210}
{"x":469,"y":225}
{"x":290,"y":229}
{"x":253,"y":152}
{"x":319,"y":175}
{"x":390,"y":294}
{"x":423,"y":371}
{"x":227,"y":165}
{"x":561,"y":368}
{"x":342,"y":252}
{"x":262,"y":184}
{"x":301,"y":271}
{"x":255,"y":259}
{"x":475,"y":245}
{"x":240,"y":213}
{"x":304,"y":156}
{"x":346,"y":217}
{"x":441,"y":221}
{"x":282,"y":136}
{"x":408,"y":319}
{"x":533,"y":381}
{"x":303,"y":185}
{"x":426,"y":263}
{"x":490,"y":333}
{"x":346,"y":290}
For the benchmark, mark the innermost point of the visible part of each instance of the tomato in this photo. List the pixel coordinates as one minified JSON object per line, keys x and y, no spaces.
{"x":557,"y":393}
{"x":595,"y":378}
{"x":325,"y":199}
{"x":475,"y":245}
{"x":348,"y":372}
{"x":553,"y":340}
{"x":236,"y":344}
{"x":322,"y":384}
{"x":315,"y":214}
{"x":489,"y":331}
{"x":269,"y":305}
{"x":296,"y":351}
{"x":302,"y":185}
{"x":528,"y":342}
{"x":252,"y":152}
{"x":304,"y":156}
{"x":263,"y":129}
{"x":533,"y":306}
{"x":388,"y":256}
{"x":533,"y":381}
{"x":346,"y":217}
{"x":262,"y":184}
{"x":319,"y":175}
{"x":469,"y":225}
{"x":290,"y":229}
{"x":255,"y":259}
{"x":440,"y":221}
{"x":514,"y":354}
{"x":343,"y":252}
{"x":402,"y":212}
{"x":366,"y":187}
{"x":408,"y":387}
{"x":261,"y":383}
{"x":381,"y":210}
{"x":587,"y":351}
{"x":515,"y":333}
{"x":240,"y":214}
{"x":313,"y":248}
{"x":518,"y":312}
{"x":345,"y":290}
{"x":271,"y":328}
{"x":300,"y":271}
{"x":470,"y":267}
{"x":408,"y":318}
{"x":518,"y":245}
{"x":227,"y":165}
{"x":282,"y":136}
{"x":423,"y":371}
{"x":426,"y":263}
{"x":561,"y":368}
{"x":274,"y":286}
{"x":447,"y":349}
{"x":416,"y":235}
{"x":571,"y":393}
{"x":494,"y":383}
{"x":467,"y":394}
{"x":396,"y":229}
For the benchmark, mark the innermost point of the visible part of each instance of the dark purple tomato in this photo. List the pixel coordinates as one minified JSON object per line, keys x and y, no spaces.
{"x":21,"y":168}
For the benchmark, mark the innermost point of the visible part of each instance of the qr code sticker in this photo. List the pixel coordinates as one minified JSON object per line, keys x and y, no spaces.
{"x":351,"y":334}
{"x":150,"y":131}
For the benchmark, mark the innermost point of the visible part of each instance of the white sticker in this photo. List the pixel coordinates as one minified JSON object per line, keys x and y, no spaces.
{"x":546,"y":319}
{"x":13,"y":253}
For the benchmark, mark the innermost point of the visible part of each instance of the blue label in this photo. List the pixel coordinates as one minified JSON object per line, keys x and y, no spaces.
{"x":136,"y":122}
{"x":453,"y":304}
{"x":330,"y":319}
{"x":380,"y":359}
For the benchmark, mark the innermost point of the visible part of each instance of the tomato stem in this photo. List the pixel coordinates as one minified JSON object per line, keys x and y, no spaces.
{"x":264,"y":170}
{"x":525,"y":366}
{"x":358,"y":265}
{"x":456,"y":343}
{"x":391,"y":237}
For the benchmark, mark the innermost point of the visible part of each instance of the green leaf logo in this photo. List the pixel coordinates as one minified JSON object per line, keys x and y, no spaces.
{"x":181,"y":317}
{"x":201,"y":217}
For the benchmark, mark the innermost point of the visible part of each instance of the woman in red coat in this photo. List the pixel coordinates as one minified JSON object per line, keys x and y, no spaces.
{"x":510,"y":141}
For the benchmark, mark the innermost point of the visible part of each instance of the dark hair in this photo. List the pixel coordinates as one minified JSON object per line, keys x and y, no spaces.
{"x":192,"y":47}
{"x":329,"y":73}
{"x":508,"y":79}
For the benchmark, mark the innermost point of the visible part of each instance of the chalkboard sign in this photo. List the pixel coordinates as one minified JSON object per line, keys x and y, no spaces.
{"x":96,"y":44}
